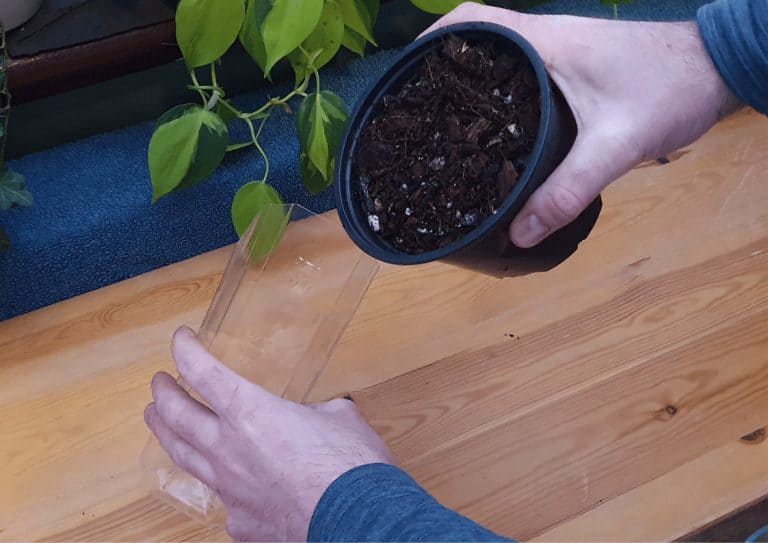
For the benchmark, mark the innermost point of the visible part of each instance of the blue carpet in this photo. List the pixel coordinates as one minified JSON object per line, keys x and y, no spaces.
{"x":92,"y":223}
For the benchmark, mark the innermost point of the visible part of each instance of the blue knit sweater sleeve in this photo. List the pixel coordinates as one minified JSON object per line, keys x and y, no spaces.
{"x":735,"y":33}
{"x":382,"y":503}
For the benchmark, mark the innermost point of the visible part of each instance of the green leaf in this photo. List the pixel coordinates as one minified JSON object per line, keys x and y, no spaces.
{"x":373,"y":10}
{"x":320,"y":121}
{"x":312,"y":179}
{"x":270,"y":226}
{"x":249,"y":201}
{"x":357,"y":18}
{"x":5,"y":242}
{"x":187,"y":146}
{"x":354,"y":42}
{"x":13,"y":192}
{"x":224,"y":112}
{"x":440,"y":7}
{"x":250,"y":34}
{"x":175,"y":113}
{"x":205,"y":29}
{"x":325,"y":40}
{"x":287,"y":25}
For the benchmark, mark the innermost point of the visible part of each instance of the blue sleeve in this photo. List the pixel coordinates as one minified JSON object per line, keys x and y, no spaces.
{"x":382,"y":503}
{"x":735,"y":33}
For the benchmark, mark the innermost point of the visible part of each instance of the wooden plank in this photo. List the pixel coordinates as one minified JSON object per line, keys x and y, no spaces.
{"x":680,"y":501}
{"x":557,"y":459}
{"x":663,"y":306}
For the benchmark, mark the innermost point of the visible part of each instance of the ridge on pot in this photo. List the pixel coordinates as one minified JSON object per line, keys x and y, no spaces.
{"x":486,"y":247}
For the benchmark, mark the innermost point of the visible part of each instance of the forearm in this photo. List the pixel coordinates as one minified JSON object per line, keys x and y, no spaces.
{"x":735,"y":34}
{"x":381,"y":503}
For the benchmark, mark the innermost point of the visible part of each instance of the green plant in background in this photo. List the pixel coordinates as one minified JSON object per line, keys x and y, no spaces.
{"x":191,"y":140}
{"x":13,"y":192}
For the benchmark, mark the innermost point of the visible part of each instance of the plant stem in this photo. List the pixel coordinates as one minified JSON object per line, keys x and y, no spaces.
{"x":274,"y":102}
{"x":197,"y":87}
{"x":311,"y":66}
{"x":212,"y":102}
{"x":615,"y":11}
{"x":214,"y":81}
{"x":255,"y":137}
{"x":232,"y":108}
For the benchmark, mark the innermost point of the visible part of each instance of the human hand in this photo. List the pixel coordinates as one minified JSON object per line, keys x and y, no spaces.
{"x":268,"y":459}
{"x":638,"y":91}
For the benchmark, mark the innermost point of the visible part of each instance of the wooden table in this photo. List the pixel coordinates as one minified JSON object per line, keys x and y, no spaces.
{"x":603,"y":400}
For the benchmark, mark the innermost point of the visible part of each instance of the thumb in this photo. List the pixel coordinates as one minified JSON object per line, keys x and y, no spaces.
{"x":578,"y":180}
{"x":222,"y":389}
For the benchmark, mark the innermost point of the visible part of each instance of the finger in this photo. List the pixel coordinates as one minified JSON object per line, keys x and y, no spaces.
{"x":220,"y":387}
{"x":472,"y":11}
{"x":590,"y":166}
{"x":191,"y":420}
{"x":182,"y":453}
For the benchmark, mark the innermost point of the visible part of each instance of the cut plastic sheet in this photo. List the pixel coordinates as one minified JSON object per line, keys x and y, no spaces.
{"x":288,"y":293}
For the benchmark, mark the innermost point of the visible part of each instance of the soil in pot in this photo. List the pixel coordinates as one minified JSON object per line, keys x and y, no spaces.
{"x":442,"y":152}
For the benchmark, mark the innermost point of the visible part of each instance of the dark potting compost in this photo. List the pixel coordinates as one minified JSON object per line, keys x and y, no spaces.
{"x":445,"y":149}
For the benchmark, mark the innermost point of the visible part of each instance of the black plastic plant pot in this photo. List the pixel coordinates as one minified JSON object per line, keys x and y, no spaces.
{"x":486,"y":248}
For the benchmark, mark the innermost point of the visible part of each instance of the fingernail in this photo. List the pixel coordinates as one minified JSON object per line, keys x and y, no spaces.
{"x":528,"y":231}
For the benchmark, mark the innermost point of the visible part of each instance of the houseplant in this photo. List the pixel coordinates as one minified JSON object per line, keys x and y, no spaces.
{"x":191,"y":140}
{"x":425,"y":216}
{"x":13,"y":192}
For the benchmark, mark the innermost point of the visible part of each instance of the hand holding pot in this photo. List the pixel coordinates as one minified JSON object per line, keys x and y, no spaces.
{"x":268,"y":459}
{"x":638,"y":91}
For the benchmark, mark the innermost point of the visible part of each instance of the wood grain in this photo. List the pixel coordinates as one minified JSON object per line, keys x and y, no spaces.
{"x":561,"y":405}
{"x":703,"y":489}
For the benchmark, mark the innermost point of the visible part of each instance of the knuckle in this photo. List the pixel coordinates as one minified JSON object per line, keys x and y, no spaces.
{"x":183,"y":458}
{"x":622,"y":141}
{"x":564,"y":204}
{"x":235,"y":530}
{"x":171,"y":411}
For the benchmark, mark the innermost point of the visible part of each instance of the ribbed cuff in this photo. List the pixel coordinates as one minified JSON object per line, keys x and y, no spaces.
{"x":735,"y":33}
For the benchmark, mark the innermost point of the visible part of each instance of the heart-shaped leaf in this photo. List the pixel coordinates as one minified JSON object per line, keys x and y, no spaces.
{"x":440,"y":7}
{"x":187,"y":146}
{"x":312,"y":179}
{"x":13,"y":192}
{"x":268,"y":229}
{"x":373,"y":10}
{"x":286,"y":26}
{"x":320,"y":121}
{"x":325,"y":41}
{"x":250,"y":34}
{"x":358,"y":18}
{"x":249,"y":201}
{"x":205,"y":29}
{"x":354,"y":42}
